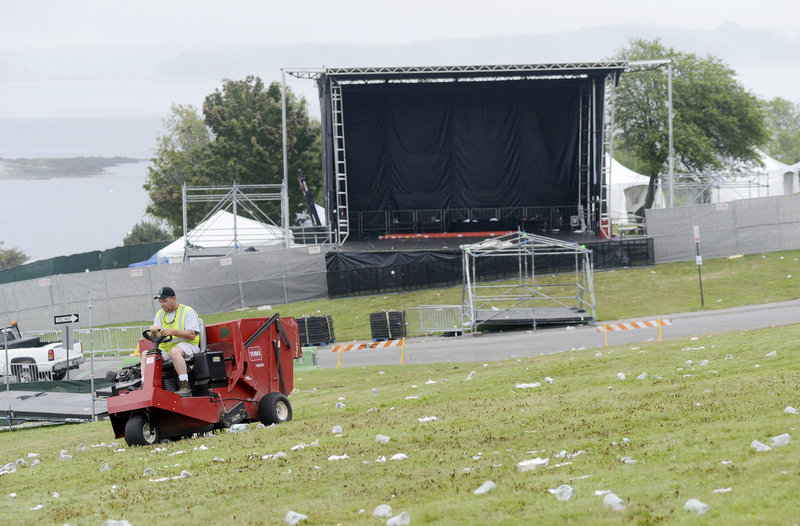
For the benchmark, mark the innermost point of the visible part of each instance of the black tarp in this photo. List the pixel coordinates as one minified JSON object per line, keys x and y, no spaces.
{"x":374,"y":272}
{"x":462,"y":144}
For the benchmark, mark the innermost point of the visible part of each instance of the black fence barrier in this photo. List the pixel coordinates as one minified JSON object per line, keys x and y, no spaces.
{"x":366,"y":273}
{"x":118,"y":257}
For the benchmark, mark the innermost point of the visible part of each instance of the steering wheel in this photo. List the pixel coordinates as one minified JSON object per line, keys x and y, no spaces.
{"x":156,"y":341}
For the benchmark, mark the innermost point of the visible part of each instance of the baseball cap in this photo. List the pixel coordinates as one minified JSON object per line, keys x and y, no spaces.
{"x":164,"y":292}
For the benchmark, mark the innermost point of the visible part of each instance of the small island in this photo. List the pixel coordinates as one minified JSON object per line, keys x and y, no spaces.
{"x":49,"y":168}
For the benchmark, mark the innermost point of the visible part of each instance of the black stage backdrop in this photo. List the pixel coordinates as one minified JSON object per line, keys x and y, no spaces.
{"x":462,"y":145}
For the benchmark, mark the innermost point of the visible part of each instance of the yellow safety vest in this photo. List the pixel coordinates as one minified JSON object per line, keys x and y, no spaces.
{"x":178,"y":322}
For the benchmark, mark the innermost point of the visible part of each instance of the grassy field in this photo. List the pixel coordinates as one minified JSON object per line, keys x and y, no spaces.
{"x":662,"y":289}
{"x":688,"y":427}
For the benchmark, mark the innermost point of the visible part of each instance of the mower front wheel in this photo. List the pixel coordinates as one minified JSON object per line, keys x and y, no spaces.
{"x":274,"y":408}
{"x":140,"y":431}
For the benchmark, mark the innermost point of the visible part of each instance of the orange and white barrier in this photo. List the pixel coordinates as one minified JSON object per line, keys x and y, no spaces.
{"x":370,"y":345}
{"x":624,"y":326}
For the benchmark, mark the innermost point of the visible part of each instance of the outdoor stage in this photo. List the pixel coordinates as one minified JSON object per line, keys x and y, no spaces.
{"x":37,"y":405}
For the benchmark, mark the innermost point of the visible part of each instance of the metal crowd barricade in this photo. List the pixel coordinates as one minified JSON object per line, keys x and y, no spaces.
{"x":431,"y":319}
{"x":107,"y":340}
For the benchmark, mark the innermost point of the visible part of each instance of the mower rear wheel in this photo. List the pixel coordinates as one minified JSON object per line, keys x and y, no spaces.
{"x":140,"y":431}
{"x":274,"y":408}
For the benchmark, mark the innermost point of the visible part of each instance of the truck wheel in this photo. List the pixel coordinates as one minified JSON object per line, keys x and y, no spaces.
{"x":274,"y":408}
{"x":60,"y":375}
{"x":25,"y":370}
{"x":141,"y":431}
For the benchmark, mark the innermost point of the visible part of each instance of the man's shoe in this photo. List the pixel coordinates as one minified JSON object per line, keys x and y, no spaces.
{"x":184,"y":389}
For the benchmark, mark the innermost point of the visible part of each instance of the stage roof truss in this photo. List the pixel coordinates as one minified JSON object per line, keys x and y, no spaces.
{"x":497,"y":70}
{"x":524,"y":300}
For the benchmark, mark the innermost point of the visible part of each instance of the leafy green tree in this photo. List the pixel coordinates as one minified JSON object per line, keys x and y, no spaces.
{"x":716,"y":122}
{"x":783,"y":122}
{"x":146,"y":232}
{"x":245,"y":118}
{"x":240,"y":139}
{"x":11,"y":257}
{"x":179,"y":156}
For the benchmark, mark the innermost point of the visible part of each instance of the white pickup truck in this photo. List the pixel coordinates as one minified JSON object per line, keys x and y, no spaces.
{"x":31,"y":360}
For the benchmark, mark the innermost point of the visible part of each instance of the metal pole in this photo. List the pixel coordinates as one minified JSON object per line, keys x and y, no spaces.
{"x":185,"y":221}
{"x":91,"y":356}
{"x":285,"y":189}
{"x":7,"y":370}
{"x":671,"y":152}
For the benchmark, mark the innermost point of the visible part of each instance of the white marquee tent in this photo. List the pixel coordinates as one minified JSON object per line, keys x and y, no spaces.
{"x":627,"y":192}
{"x":219,"y":235}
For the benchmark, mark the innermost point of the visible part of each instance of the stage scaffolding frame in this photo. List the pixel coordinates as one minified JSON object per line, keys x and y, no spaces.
{"x":517,"y":299}
{"x":592,"y":206}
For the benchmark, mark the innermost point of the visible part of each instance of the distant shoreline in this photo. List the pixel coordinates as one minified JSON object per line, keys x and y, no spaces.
{"x":51,"y":168}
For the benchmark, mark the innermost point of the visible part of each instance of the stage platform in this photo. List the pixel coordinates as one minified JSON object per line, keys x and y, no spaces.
{"x":487,"y":319}
{"x":43,"y":406}
{"x":452,"y":241}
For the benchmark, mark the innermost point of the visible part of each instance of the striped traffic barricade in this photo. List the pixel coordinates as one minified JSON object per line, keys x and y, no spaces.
{"x":631,"y":325}
{"x":370,"y":345}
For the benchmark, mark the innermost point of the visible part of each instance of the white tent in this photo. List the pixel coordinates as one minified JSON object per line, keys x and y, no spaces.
{"x":222,"y":233}
{"x":627,"y":191}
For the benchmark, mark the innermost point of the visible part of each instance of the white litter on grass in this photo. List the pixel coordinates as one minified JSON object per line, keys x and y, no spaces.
{"x":105,"y":467}
{"x":486,"y":487}
{"x":338,"y":457}
{"x":339,"y":405}
{"x":336,"y":430}
{"x":381,"y":459}
{"x":383,"y":439}
{"x":532,"y":464}
{"x":689,"y":363}
{"x":703,"y":363}
{"x":12,"y":495}
{"x":563,"y":492}
{"x":695,"y":506}
{"x":303,"y":445}
{"x":239,"y":428}
{"x":726,"y":462}
{"x":37,"y":507}
{"x":612,"y":502}
{"x":758,"y":446}
{"x":374,"y":391}
{"x":628,"y":460}
{"x":620,"y":376}
{"x":399,"y":456}
{"x":790,"y":410}
{"x":218,"y":459}
{"x":201,"y":448}
{"x":413,"y":397}
{"x":64,"y":455}
{"x":773,"y":354}
{"x":33,"y":455}
{"x":722,"y":490}
{"x":528,"y":386}
{"x":642,"y":376}
{"x":404,"y":519}
{"x":599,"y":354}
{"x":276,"y":456}
{"x":430,"y":382}
{"x":428,"y":419}
{"x":55,"y":495}
{"x":756,"y":366}
{"x":382,"y":510}
{"x":729,"y":357}
{"x":470,"y":376}
{"x":780,"y":440}
{"x":292,"y":517}
{"x":181,"y":452}
{"x":601,"y":492}
{"x":549,"y":380}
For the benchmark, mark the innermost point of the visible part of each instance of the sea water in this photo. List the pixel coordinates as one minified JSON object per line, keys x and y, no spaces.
{"x":45,"y":218}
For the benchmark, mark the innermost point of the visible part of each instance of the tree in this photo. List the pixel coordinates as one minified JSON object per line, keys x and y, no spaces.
{"x":783,"y":123}
{"x":245,"y":118}
{"x":146,"y":232}
{"x":11,"y":257}
{"x":179,"y":157}
{"x":240,"y":139}
{"x":716,"y":122}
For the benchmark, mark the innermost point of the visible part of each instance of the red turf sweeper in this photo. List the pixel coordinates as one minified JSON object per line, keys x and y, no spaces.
{"x":244,"y":373}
